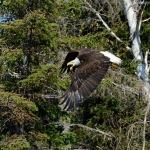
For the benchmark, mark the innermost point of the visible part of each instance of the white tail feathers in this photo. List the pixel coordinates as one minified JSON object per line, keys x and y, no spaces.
{"x":113,"y":58}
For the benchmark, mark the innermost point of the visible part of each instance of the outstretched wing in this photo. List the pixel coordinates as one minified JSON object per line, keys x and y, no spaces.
{"x":85,"y":80}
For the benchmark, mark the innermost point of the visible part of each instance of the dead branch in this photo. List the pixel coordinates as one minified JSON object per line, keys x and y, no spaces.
{"x":93,"y":130}
{"x":147,"y":98}
{"x":104,"y":23}
{"x":67,"y":126}
{"x":144,"y":124}
{"x":126,"y":88}
{"x":146,"y":19}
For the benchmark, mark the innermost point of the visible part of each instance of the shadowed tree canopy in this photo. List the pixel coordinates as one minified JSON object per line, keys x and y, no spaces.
{"x":35,"y":37}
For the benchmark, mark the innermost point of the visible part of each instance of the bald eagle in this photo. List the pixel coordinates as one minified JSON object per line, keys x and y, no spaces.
{"x":86,"y":68}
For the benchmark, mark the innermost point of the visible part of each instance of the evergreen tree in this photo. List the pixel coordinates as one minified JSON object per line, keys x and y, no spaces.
{"x":34,"y":38}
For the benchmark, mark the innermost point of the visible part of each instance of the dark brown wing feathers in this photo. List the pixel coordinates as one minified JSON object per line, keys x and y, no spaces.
{"x":86,"y":77}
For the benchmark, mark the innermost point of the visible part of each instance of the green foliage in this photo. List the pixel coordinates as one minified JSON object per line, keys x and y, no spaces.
{"x":43,"y":76}
{"x":40,"y":28}
{"x":10,"y":58}
{"x":64,"y":141}
{"x":38,"y":139}
{"x":20,"y":7}
{"x":15,"y":143}
{"x":20,"y":101}
{"x":33,"y":39}
{"x":11,"y":33}
{"x":90,"y":41}
{"x":34,"y":24}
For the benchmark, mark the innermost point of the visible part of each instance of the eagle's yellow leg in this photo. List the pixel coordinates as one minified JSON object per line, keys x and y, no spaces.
{"x":114,"y":65}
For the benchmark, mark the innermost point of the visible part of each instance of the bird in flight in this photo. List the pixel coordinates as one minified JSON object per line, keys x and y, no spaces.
{"x":86,"y":68}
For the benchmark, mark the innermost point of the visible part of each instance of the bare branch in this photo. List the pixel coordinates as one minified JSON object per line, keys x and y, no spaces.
{"x":104,"y":23}
{"x":146,"y":19}
{"x":147,"y":66}
{"x":131,"y":133}
{"x":144,"y":124}
{"x":49,"y":96}
{"x":93,"y":130}
{"x":126,"y":88}
{"x":146,"y":91}
{"x":68,"y":125}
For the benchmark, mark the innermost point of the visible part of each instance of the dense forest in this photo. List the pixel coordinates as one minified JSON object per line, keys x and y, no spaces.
{"x":35,"y":36}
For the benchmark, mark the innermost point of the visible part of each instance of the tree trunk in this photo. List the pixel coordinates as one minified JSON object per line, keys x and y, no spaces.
{"x":133,"y":13}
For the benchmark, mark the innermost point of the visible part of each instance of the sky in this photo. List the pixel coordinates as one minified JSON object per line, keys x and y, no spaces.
{"x":0,"y":19}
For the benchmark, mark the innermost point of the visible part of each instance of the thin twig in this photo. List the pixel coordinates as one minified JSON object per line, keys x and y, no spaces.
{"x":147,"y":98}
{"x":144,"y":124}
{"x":68,"y":125}
{"x":93,"y":130}
{"x":104,"y":23}
{"x":146,"y":19}
{"x":126,"y":88}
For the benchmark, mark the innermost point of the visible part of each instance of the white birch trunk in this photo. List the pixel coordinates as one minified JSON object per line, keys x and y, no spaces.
{"x":132,"y":11}
{"x":134,"y":27}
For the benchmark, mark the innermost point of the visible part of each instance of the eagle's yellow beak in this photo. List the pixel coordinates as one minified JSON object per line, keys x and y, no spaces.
{"x":70,"y":64}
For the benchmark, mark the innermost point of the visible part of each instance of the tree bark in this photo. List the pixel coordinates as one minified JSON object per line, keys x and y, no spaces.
{"x":134,"y":16}
{"x":133,"y":13}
